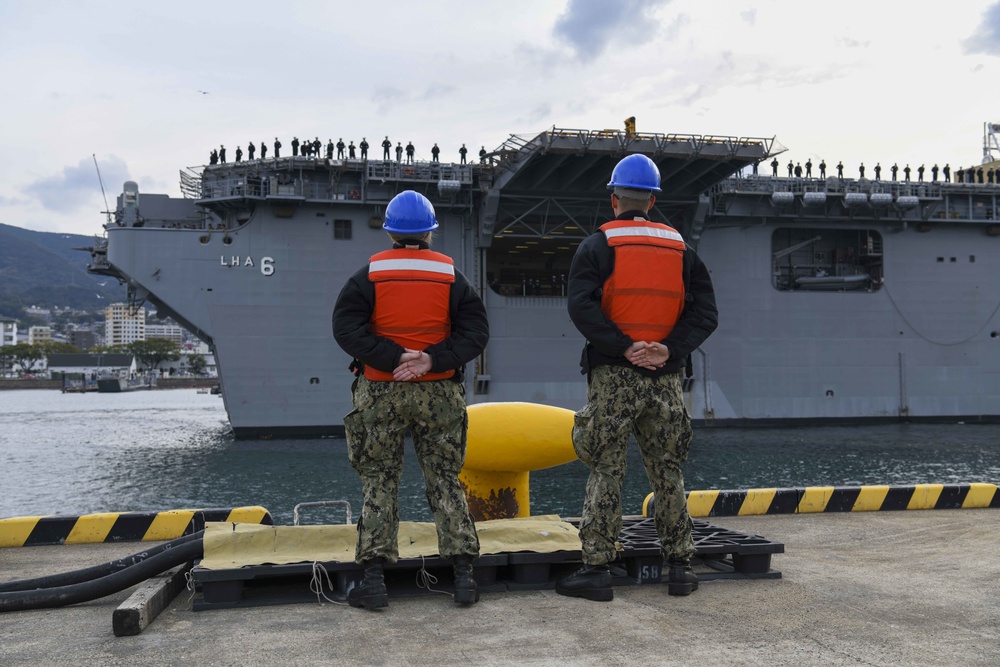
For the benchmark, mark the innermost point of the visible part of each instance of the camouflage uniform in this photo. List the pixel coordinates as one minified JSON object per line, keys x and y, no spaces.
{"x":435,"y":414}
{"x":621,"y":402}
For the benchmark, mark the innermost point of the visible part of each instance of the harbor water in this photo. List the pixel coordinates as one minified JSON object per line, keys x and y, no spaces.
{"x":169,"y":449}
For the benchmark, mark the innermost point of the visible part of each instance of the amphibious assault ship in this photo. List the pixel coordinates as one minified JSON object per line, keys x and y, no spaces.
{"x":840,"y":299}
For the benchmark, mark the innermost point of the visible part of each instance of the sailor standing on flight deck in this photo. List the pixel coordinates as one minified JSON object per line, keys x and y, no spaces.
{"x":412,"y":322}
{"x":644,"y":301}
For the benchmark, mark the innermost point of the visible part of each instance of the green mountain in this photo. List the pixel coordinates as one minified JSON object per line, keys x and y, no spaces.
{"x":43,"y":269}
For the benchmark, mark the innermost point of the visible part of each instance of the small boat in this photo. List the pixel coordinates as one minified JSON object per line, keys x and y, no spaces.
{"x":832,"y":283}
{"x":117,"y":385}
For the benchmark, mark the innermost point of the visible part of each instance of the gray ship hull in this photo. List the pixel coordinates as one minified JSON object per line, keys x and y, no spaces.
{"x":830,"y":313}
{"x":924,"y":345}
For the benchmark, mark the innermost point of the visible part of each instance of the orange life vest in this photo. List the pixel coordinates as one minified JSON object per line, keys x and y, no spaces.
{"x":644,"y":295}
{"x":412,"y":293}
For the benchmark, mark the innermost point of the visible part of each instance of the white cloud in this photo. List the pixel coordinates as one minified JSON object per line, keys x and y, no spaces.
{"x":68,"y":190}
{"x":986,"y":38}
{"x":589,"y":26}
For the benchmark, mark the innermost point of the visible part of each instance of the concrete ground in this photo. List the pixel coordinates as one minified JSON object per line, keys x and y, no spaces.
{"x":874,"y":588}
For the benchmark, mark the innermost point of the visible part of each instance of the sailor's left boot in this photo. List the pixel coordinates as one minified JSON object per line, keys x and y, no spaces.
{"x":681,"y":579}
{"x":466,"y":590}
{"x":371,"y":592}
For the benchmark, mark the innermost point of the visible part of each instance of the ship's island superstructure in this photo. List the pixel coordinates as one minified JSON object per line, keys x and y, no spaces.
{"x":840,"y":299}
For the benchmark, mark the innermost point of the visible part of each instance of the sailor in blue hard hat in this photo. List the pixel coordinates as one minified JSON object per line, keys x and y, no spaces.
{"x":411,"y":321}
{"x":408,"y":213}
{"x":643,"y":301}
{"x":636,"y":172}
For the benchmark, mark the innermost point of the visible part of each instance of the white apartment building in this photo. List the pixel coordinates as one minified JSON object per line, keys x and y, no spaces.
{"x":39,"y":334}
{"x":8,"y":331}
{"x":122,"y":325}
{"x":171,"y":332}
{"x":36,"y":311}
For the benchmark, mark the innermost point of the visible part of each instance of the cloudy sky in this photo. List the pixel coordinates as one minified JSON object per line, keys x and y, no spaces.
{"x":151,"y":87}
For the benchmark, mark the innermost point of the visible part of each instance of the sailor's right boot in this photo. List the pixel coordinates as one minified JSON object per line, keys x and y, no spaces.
{"x":466,"y":590}
{"x":370,"y":593}
{"x":681,"y":579}
{"x":592,"y":582}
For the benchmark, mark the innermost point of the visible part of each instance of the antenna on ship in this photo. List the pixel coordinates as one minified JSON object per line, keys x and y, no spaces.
{"x":100,"y":180}
{"x":990,"y":142}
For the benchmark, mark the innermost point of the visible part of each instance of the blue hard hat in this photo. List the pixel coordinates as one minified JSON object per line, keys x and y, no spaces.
{"x":409,"y":212}
{"x":637,"y":172}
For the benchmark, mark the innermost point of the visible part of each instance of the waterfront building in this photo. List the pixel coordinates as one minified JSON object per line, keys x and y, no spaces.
{"x":123,"y":324}
{"x":39,"y":334}
{"x":8,"y":331}
{"x":83,"y":339}
{"x":171,"y":332}
{"x":92,"y":365}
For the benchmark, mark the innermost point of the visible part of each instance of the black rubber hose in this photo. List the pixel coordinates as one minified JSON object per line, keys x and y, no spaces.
{"x":97,"y":571}
{"x":60,"y":596}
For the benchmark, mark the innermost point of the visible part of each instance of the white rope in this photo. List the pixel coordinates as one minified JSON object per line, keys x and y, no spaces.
{"x":189,"y":584}
{"x":316,"y":583}
{"x":426,"y":580}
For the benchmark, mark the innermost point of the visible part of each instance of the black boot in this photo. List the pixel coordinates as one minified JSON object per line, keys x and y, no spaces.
{"x":370,"y":593}
{"x":592,"y":582}
{"x":681,"y":580}
{"x":466,"y":590}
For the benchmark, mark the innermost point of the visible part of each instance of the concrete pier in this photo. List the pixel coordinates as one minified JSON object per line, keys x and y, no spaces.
{"x":863,"y":588}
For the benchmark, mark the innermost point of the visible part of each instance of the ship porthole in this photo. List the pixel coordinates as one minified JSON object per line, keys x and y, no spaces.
{"x":204,"y":240}
{"x":226,"y":240}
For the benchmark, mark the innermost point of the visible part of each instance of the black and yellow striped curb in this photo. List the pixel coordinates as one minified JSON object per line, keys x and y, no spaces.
{"x":28,"y":531}
{"x":813,"y":499}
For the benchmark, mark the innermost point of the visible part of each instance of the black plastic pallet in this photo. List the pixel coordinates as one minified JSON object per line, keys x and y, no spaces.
{"x":720,"y":554}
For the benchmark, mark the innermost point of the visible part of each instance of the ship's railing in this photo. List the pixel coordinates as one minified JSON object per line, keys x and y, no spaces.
{"x":832,"y":185}
{"x":419,"y":171}
{"x":519,"y":146}
{"x":263,"y":186}
{"x":659,"y":141}
{"x":928,"y":200}
{"x":320,"y":185}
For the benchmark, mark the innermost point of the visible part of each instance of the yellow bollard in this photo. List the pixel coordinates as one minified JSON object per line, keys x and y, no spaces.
{"x":506,"y":442}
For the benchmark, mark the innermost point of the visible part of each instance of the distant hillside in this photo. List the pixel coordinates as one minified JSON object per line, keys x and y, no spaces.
{"x":42,"y":269}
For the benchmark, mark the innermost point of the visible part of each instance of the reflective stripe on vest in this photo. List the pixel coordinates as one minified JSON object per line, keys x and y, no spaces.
{"x":412,"y":296}
{"x":644,"y":295}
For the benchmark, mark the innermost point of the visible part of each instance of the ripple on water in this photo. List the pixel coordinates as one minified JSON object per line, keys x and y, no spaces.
{"x":168,"y":449}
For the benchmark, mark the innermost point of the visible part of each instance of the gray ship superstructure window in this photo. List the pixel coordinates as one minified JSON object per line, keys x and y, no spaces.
{"x":342,"y":229}
{"x":826,"y":260}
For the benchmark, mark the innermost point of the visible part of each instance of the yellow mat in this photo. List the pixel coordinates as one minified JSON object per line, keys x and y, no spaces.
{"x":231,"y":545}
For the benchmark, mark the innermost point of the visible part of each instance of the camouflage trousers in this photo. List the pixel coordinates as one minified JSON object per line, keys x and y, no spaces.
{"x":434,"y":413}
{"x":622,"y":402}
